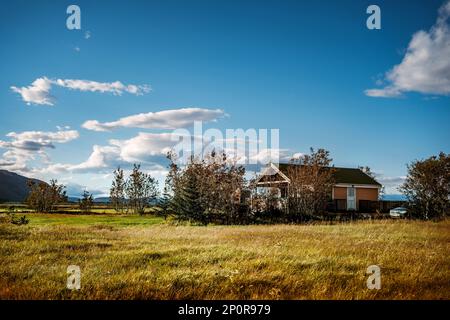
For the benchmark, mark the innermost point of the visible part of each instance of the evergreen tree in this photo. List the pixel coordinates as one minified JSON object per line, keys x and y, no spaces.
{"x":189,"y":201}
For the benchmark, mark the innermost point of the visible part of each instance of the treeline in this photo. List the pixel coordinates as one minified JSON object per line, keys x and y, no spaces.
{"x":135,"y":193}
{"x":206,"y":190}
{"x":214,"y":190}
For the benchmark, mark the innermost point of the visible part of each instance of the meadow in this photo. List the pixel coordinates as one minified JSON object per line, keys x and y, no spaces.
{"x":144,"y":257}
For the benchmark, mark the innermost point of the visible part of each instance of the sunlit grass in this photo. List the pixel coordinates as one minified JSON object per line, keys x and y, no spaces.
{"x":79,"y":219}
{"x":132,"y":257}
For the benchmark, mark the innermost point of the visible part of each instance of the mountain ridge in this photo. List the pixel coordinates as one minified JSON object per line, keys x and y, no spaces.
{"x":14,"y":187}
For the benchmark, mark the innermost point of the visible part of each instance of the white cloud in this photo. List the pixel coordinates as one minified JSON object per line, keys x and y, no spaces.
{"x":167,"y":119}
{"x":101,"y":157}
{"x":144,"y":146}
{"x":391,"y":184}
{"x":39,"y":91}
{"x":38,"y":140}
{"x":116,"y":87}
{"x":298,"y":155}
{"x":259,"y":156}
{"x":87,"y":35}
{"x":425,"y":68}
{"x":26,"y":146}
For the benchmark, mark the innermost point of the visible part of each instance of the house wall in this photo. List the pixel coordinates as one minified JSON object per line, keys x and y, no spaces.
{"x":340,"y":193}
{"x":366,"y":194}
{"x":361,"y":193}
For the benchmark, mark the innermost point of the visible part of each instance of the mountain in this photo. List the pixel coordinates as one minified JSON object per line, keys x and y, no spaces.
{"x":13,"y":187}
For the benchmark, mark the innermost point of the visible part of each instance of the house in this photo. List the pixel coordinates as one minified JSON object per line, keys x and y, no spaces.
{"x":353,"y":189}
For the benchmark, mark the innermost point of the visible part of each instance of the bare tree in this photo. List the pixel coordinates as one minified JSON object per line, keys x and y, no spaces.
{"x":44,"y":197}
{"x":311,"y":183}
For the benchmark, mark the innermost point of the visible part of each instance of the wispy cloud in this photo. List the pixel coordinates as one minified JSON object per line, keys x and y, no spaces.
{"x":87,"y":34}
{"x":39,"y":91}
{"x":167,"y":119}
{"x":425,"y":68}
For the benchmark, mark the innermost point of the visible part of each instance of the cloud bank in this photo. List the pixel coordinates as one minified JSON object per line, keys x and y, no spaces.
{"x":27,"y":145}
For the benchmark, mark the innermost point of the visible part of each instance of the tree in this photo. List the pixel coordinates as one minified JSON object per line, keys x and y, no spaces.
{"x":167,"y":200}
{"x":117,"y":191}
{"x":427,"y":187}
{"x":86,"y":202}
{"x":165,"y":203}
{"x":44,"y":197}
{"x":311,"y":183}
{"x":189,"y":196}
{"x":140,"y":189}
{"x":207,"y":189}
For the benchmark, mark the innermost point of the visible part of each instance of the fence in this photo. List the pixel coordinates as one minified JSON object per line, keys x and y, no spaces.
{"x":365,"y":206}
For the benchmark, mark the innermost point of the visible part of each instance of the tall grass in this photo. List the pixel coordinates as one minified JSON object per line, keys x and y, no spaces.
{"x":143,"y":258}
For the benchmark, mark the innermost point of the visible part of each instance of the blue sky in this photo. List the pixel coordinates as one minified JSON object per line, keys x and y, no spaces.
{"x":303,"y":67}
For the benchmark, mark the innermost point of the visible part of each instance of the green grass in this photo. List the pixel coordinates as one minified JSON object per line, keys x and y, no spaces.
{"x":132,"y":257}
{"x":70,"y":208}
{"x":79,"y":220}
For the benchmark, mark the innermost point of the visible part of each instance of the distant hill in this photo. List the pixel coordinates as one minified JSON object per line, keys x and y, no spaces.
{"x":13,"y":187}
{"x":102,"y":200}
{"x":96,"y":200}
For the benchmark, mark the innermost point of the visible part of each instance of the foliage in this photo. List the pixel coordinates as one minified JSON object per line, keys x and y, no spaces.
{"x":19,"y":220}
{"x":11,"y":217}
{"x":141,"y":189}
{"x":86,"y":202}
{"x":311,"y":184}
{"x":117,"y":191}
{"x":44,"y":197}
{"x":427,"y":187}
{"x":208,"y":190}
{"x":167,"y":204}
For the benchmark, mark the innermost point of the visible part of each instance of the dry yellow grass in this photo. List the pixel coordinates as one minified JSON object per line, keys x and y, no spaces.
{"x":159,"y":261}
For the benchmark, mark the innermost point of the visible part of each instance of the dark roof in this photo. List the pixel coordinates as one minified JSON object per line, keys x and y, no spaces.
{"x":341,"y":175}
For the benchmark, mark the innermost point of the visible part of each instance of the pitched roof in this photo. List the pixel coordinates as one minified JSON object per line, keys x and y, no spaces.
{"x":341,"y":175}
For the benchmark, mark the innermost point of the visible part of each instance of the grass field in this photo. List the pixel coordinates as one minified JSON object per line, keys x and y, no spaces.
{"x":144,"y":258}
